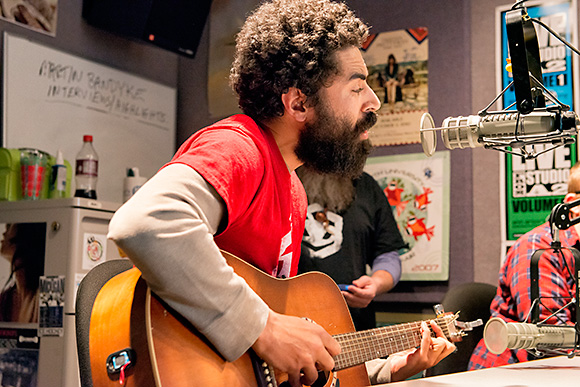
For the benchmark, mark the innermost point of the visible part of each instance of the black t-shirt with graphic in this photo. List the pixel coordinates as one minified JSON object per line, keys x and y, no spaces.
{"x":352,"y":239}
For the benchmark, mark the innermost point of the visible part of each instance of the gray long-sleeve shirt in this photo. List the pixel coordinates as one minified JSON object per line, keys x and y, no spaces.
{"x":167,"y":230}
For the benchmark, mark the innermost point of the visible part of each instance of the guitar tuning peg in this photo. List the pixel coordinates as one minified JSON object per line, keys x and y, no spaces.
{"x":467,"y":326}
{"x":439,"y":310}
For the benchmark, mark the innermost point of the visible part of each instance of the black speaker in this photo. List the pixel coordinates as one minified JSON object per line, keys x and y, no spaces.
{"x":175,"y":25}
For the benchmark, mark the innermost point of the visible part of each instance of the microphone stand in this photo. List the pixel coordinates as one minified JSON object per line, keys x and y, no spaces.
{"x":559,"y":220}
{"x":529,"y":90}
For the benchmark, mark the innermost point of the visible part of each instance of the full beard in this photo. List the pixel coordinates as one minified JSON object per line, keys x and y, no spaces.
{"x":331,"y":145}
{"x":335,"y":193}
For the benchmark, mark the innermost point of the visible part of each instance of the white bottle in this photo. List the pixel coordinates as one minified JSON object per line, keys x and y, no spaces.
{"x":58,"y":181}
{"x":87,"y":169}
{"x":132,"y":183}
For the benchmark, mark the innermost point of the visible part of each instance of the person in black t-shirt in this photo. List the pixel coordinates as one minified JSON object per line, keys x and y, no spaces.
{"x":350,"y":225}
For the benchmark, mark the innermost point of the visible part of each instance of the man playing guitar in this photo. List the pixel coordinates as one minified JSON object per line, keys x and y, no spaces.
{"x":302,"y":85}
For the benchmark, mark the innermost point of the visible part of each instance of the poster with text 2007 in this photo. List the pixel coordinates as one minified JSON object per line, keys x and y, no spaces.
{"x":534,"y":187}
{"x":418,"y":192}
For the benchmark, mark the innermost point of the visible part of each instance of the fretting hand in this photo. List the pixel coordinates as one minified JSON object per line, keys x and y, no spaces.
{"x":431,"y":351}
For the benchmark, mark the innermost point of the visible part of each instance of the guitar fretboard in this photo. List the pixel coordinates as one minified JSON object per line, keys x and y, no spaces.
{"x":359,"y":347}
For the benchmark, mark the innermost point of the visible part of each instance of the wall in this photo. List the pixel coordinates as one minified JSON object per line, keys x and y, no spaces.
{"x":462,"y":81}
{"x":455,"y":38}
{"x":76,"y":37}
{"x":486,"y":179}
{"x":449,"y":94}
{"x":486,"y":163}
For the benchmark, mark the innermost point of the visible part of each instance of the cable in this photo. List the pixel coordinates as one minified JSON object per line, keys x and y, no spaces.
{"x":556,"y":35}
{"x":517,"y":4}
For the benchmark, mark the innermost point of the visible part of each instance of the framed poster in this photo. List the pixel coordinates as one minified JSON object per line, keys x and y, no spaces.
{"x":226,"y":19}
{"x":19,"y":354}
{"x":22,"y":251}
{"x":418,"y":192}
{"x":397,"y":65}
{"x":36,"y":15}
{"x":22,"y":268}
{"x":531,"y":188}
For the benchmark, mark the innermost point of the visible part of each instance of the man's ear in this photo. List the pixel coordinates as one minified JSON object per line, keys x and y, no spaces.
{"x":569,"y":197}
{"x":295,"y":104}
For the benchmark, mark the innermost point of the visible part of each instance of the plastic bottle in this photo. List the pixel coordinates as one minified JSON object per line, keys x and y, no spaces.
{"x":86,"y":171}
{"x":132,"y":183}
{"x":58,"y":177}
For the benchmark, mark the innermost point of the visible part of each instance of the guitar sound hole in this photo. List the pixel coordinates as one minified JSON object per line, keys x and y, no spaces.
{"x":320,"y":382}
{"x":322,"y":379}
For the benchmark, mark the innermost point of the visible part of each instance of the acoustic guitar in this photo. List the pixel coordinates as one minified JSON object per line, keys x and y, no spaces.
{"x":137,"y":340}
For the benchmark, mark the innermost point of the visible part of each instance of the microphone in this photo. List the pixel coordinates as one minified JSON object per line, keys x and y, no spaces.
{"x":492,"y":130}
{"x":499,"y":335}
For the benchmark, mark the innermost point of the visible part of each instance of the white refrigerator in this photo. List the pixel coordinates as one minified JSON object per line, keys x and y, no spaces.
{"x":37,"y":335}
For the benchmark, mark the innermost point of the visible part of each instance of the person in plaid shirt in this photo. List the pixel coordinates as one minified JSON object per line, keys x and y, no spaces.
{"x":513,"y":300}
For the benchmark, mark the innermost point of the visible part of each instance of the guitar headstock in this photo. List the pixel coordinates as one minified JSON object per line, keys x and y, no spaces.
{"x":453,"y":329}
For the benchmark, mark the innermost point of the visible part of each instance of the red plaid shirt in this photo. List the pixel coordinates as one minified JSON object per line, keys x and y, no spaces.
{"x":513,"y":299}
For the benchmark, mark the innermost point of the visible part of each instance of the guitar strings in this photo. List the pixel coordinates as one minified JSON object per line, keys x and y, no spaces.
{"x":358,"y":347}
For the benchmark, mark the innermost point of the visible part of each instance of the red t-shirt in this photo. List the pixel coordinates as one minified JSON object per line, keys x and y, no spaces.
{"x":266,"y":204}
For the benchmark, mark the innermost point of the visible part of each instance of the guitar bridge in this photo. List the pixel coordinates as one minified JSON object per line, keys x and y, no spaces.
{"x":264,"y":373}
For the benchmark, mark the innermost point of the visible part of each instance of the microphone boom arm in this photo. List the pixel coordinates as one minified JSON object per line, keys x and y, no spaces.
{"x":531,"y":96}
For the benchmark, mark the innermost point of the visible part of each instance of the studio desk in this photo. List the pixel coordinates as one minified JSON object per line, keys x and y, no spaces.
{"x":554,"y":371}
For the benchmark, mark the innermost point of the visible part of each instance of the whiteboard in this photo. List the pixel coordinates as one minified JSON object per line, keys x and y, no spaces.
{"x":51,"y":99}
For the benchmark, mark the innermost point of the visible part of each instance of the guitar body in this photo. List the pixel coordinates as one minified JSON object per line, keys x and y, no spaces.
{"x":170,"y":352}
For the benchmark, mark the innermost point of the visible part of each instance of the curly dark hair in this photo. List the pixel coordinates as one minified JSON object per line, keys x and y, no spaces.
{"x":290,"y":43}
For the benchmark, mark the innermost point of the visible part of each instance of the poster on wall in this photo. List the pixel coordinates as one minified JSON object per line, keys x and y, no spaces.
{"x":22,"y":256}
{"x":22,"y":250}
{"x":226,"y":20}
{"x":38,"y":15}
{"x":19,"y":349}
{"x":51,"y":316}
{"x":397,"y":65}
{"x":418,"y":192}
{"x":531,"y":188}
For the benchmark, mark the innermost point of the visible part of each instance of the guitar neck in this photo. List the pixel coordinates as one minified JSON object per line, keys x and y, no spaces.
{"x":362,"y":346}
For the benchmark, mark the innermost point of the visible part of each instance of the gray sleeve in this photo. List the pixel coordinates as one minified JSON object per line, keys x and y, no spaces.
{"x":167,"y":230}
{"x":389,"y":262}
{"x":379,"y":370}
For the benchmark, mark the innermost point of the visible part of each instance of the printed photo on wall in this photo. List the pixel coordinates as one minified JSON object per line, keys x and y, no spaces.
{"x":225,"y":21}
{"x":19,"y":350}
{"x":418,"y":191}
{"x":39,"y":15}
{"x":397,"y":65}
{"x":51,"y":320}
{"x":23,"y":250}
